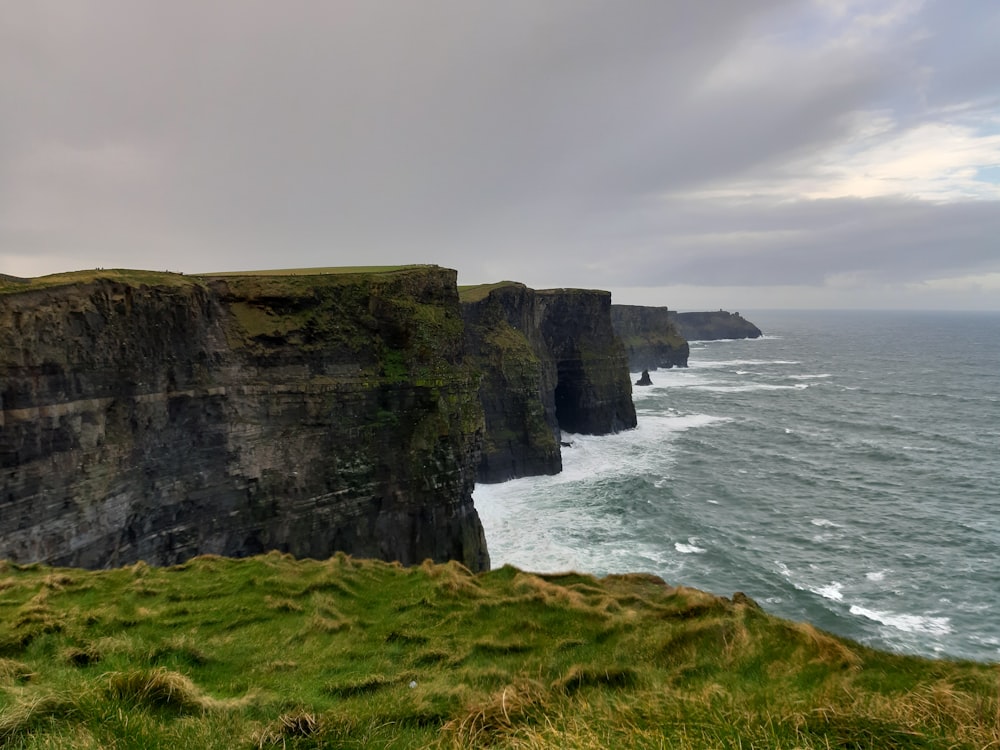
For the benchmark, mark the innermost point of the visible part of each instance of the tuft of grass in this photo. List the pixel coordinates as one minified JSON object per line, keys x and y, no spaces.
{"x":13,"y":671}
{"x":486,"y":722}
{"x":160,"y":688}
{"x":288,"y":726}
{"x":34,"y":714}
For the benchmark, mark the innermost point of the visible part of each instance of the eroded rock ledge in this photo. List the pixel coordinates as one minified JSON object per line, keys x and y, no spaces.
{"x":156,"y":417}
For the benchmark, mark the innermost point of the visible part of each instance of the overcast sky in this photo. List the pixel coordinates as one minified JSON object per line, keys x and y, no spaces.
{"x":720,"y":153}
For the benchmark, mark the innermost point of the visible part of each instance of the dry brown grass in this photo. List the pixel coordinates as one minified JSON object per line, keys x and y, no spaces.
{"x":828,"y":650}
{"x":298,"y":723}
{"x":13,"y":671}
{"x":486,"y":722}
{"x":165,"y":689}
{"x":31,"y":712}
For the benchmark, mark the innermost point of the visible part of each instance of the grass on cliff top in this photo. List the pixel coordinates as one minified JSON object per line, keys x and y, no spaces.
{"x":477,"y":292}
{"x":14,"y":284}
{"x":333,"y":270}
{"x":345,"y":653}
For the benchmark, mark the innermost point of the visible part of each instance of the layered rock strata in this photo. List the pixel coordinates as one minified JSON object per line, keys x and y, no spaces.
{"x":551,"y":363}
{"x":155,"y":417}
{"x":650,"y":337}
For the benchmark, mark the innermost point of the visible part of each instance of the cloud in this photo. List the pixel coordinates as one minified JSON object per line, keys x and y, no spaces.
{"x":746,"y":142}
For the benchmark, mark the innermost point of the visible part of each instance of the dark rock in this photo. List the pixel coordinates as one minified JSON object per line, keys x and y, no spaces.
{"x":644,"y":380}
{"x":650,"y":337}
{"x":550,"y":362}
{"x":156,"y":417}
{"x":712,"y":326}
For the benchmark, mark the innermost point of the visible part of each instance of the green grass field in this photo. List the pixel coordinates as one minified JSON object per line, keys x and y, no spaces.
{"x":344,"y":653}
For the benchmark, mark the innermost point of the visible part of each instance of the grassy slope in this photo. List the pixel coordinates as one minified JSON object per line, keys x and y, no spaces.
{"x":273,"y":652}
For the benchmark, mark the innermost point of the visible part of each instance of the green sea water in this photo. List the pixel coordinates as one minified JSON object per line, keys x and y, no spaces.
{"x":843,"y":470}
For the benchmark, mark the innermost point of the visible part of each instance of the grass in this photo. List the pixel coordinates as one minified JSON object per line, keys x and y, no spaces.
{"x":478,"y":292}
{"x":332,"y":270}
{"x":344,"y":653}
{"x":13,"y":284}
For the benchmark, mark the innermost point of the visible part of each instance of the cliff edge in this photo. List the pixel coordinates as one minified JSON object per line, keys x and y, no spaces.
{"x":154,"y":417}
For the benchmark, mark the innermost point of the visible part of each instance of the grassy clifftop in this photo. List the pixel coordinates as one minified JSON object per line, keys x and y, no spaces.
{"x":274,"y":652}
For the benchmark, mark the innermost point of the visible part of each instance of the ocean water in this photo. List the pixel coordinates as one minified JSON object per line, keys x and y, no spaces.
{"x":843,"y":470}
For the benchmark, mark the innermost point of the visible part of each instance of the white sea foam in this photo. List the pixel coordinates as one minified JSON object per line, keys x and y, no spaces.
{"x":811,"y":377}
{"x":730,"y":363}
{"x":831,"y":591}
{"x":691,"y":548}
{"x":748,"y":388}
{"x":905,"y":622}
{"x":876,"y":575}
{"x":825,"y":522}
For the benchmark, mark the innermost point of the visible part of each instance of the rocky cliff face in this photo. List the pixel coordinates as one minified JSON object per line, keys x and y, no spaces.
{"x":650,"y":337}
{"x":519,"y":378}
{"x":550,"y":362}
{"x":155,"y":417}
{"x":594,"y":392}
{"x":711,"y":326}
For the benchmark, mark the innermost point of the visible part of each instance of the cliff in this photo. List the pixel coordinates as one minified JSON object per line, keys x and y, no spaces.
{"x":650,"y":337}
{"x":551,"y":363}
{"x":519,"y":379}
{"x":709,"y":326}
{"x":155,"y":417}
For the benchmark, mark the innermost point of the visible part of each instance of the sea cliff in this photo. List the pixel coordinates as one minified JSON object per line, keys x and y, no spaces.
{"x":551,"y":362}
{"x":650,"y":336}
{"x":711,"y":326}
{"x":156,"y":416}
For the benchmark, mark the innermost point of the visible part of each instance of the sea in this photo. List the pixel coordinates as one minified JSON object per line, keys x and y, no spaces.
{"x":843,"y":470}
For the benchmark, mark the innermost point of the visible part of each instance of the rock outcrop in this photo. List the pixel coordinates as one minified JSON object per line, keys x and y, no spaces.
{"x":650,"y":336}
{"x":519,"y":378}
{"x":551,"y":363}
{"x":156,"y":417}
{"x":711,"y":326}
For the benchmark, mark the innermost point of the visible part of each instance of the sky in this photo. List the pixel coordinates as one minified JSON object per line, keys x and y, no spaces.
{"x":737,"y":154}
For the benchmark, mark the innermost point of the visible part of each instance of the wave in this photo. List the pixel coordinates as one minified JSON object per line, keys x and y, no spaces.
{"x":691,"y":548}
{"x":730,"y":363}
{"x":824,"y":522}
{"x":905,"y":622}
{"x":748,"y":388}
{"x":831,"y":591}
